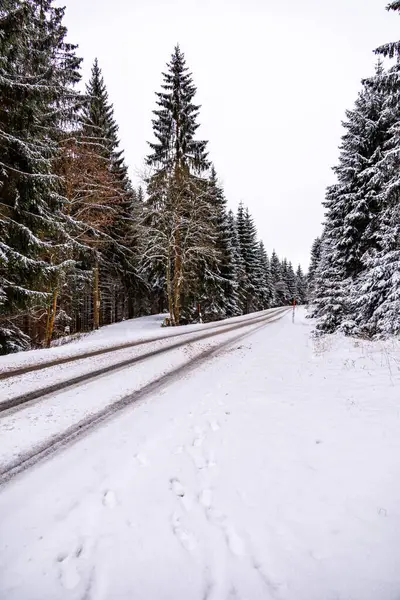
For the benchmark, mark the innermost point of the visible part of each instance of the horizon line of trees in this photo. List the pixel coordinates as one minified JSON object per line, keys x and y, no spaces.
{"x":81,"y":247}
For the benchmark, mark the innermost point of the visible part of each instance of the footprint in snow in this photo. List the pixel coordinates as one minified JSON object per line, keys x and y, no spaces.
{"x":180,"y":492}
{"x":234,"y":541}
{"x":232,"y":538}
{"x":69,"y":574}
{"x":206,"y":498}
{"x":109,"y":499}
{"x":142,"y":460}
{"x":186,"y":538}
{"x":177,"y":487}
{"x":199,"y":439}
{"x":214,"y":426}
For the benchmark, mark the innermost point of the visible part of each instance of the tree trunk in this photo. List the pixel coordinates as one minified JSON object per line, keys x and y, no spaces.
{"x":51,"y":317}
{"x":170,"y":289}
{"x":96,"y":298}
{"x":177,"y":278}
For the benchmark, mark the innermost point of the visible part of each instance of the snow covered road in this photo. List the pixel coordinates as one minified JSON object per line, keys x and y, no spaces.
{"x":72,"y":404}
{"x":271,"y":471}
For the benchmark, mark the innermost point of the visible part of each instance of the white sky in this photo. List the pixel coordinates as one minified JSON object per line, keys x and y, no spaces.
{"x":274,"y":79}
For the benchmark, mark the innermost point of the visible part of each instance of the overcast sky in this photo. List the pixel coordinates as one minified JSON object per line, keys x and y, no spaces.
{"x":274,"y":78}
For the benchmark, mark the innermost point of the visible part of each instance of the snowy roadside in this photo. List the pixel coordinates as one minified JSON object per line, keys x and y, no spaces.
{"x":271,"y":472}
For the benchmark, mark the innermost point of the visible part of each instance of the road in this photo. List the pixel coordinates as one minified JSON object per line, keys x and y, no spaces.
{"x":258,"y":463}
{"x":63,"y":399}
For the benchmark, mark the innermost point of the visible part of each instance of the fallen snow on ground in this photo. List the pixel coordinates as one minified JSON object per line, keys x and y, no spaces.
{"x":30,"y":425}
{"x":132,"y":330}
{"x":270,"y":472}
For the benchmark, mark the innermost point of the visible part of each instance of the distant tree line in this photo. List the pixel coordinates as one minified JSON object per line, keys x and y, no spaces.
{"x":81,"y":247}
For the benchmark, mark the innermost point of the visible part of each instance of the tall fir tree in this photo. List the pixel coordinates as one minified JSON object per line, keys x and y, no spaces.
{"x":265,"y":293}
{"x":312,"y":270}
{"x":180,"y":219}
{"x":281,"y":292}
{"x":291,"y":282}
{"x":118,"y":278}
{"x":354,"y":205}
{"x":376,"y":292}
{"x":38,"y":71}
{"x":250,"y":255}
{"x":218,"y":278}
{"x":301,"y":286}
{"x":238,"y":261}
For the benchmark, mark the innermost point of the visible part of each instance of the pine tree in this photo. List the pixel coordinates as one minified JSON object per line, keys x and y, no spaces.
{"x":332,"y":293}
{"x":179,"y":217}
{"x":249,"y":250}
{"x":314,"y":262}
{"x":100,"y":126}
{"x":265,"y":293}
{"x":360,"y":176}
{"x":101,"y":198}
{"x":354,"y":205}
{"x":291,"y":282}
{"x":218,"y":293}
{"x":301,"y":286}
{"x":281,"y":291}
{"x":238,"y":262}
{"x":38,"y":70}
{"x":376,"y":293}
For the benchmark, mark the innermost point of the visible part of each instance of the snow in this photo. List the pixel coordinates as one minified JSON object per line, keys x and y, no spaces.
{"x":268,"y":472}
{"x":132,"y":330}
{"x":27,"y":427}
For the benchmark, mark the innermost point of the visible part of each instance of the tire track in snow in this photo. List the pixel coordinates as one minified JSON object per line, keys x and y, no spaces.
{"x":83,"y":427}
{"x":38,"y":394}
{"x":16,"y":372}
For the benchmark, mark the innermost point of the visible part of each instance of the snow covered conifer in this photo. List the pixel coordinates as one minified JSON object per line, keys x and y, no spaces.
{"x":314,"y":262}
{"x":237,"y":261}
{"x":247,"y":234}
{"x":38,"y":70}
{"x":281,"y":291}
{"x":100,"y":126}
{"x":179,"y":217}
{"x":218,"y":279}
{"x":301,"y":286}
{"x":354,"y":205}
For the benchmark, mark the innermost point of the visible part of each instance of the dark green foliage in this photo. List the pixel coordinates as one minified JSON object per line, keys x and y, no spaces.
{"x":38,"y":70}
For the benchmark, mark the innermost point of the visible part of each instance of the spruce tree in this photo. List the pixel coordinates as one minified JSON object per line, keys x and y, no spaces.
{"x":265,"y":294}
{"x":291,"y":282}
{"x":218,"y":278}
{"x":238,"y":262}
{"x":312,"y":270}
{"x":376,"y":293}
{"x":301,"y":286}
{"x":38,"y":70}
{"x":354,"y":205}
{"x":179,"y":217}
{"x":118,"y":258}
{"x":100,"y":126}
{"x":249,"y":249}
{"x":281,"y":292}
